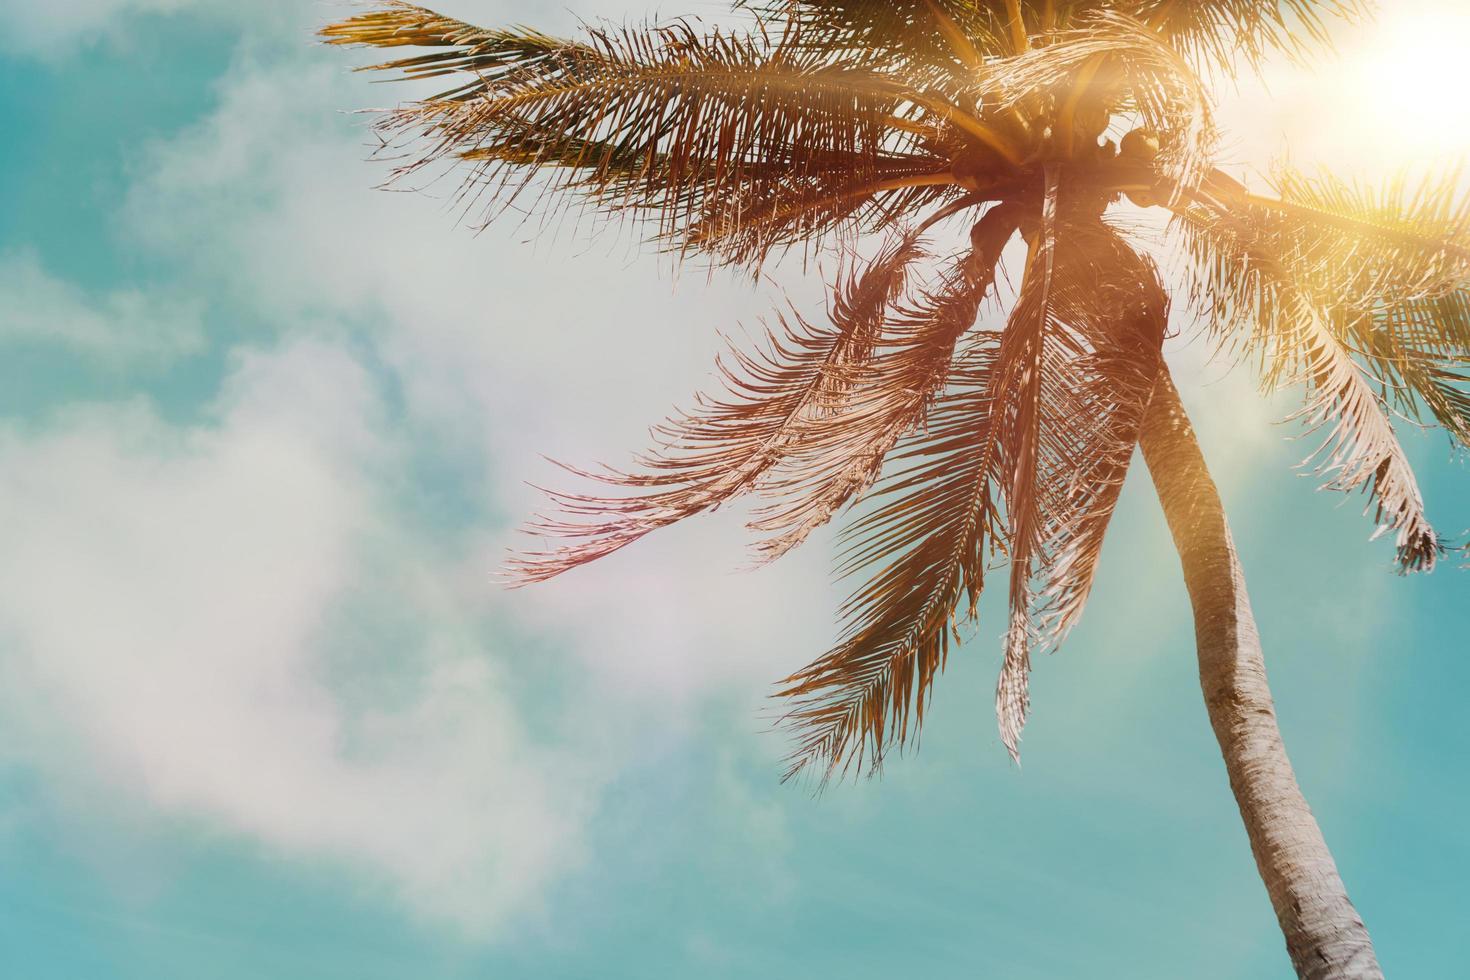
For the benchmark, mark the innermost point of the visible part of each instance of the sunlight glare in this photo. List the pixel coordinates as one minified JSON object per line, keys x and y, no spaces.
{"x":1408,"y":95}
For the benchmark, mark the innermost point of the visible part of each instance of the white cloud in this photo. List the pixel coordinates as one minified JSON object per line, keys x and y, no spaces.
{"x":53,"y":29}
{"x":167,"y":595}
{"x":181,"y":599}
{"x":504,"y":349}
{"x":122,"y":328}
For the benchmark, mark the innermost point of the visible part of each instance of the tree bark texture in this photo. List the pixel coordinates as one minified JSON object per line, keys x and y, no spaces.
{"x":1325,"y":936}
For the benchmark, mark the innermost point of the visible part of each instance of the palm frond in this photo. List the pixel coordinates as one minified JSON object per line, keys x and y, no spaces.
{"x":928,"y":41}
{"x":869,"y":693}
{"x":730,"y":442}
{"x":1094,"y":313}
{"x":483,"y":54}
{"x":1018,"y":443}
{"x":1122,"y":310}
{"x":842,"y":453}
{"x":750,"y":225}
{"x":926,"y":540}
{"x":1358,"y":246}
{"x":1337,"y":287}
{"x":1024,"y":451}
{"x":1415,"y":354}
{"x":1361,"y":450}
{"x":1216,"y":35}
{"x":685,"y":127}
{"x":1392,"y":267}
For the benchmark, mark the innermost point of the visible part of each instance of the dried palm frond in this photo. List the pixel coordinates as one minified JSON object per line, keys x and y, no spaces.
{"x":1214,"y":34}
{"x":484,"y":54}
{"x":937,"y":42}
{"x":1126,"y":312}
{"x":1217,"y":34}
{"x":1092,"y":315}
{"x":1361,"y":451}
{"x":854,"y":703}
{"x":1018,"y":455}
{"x":1025,"y":450}
{"x":842,"y":451}
{"x":1334,"y":286}
{"x":689,"y":128}
{"x":729,"y":443}
{"x":1402,"y":249}
{"x":859,"y":700}
{"x":748,"y":226}
{"x":1413,"y":354}
{"x":869,"y":693}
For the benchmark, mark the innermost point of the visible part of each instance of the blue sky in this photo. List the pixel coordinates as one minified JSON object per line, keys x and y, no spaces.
{"x":264,"y":432}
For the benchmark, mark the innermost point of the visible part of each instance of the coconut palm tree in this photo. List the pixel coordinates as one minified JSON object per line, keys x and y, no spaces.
{"x":873,"y":127}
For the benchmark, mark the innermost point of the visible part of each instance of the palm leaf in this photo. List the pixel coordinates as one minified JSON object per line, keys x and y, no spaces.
{"x":1216,"y":35}
{"x":1312,"y":292}
{"x":926,"y":539}
{"x":683,"y":126}
{"x":928,"y":41}
{"x":1361,"y":451}
{"x":1121,"y":309}
{"x":868,"y":694}
{"x":729,"y":443}
{"x":1413,"y":354}
{"x":1356,"y":247}
{"x":750,"y":225}
{"x":486,"y":55}
{"x":1018,"y":442}
{"x":842,"y":452}
{"x":1026,"y":451}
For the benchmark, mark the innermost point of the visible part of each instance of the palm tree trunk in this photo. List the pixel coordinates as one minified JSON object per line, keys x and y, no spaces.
{"x":1324,"y":933}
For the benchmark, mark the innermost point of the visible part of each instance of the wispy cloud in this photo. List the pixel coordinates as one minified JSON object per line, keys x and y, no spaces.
{"x":52,"y":30}
{"x":197,"y":609}
{"x":170,"y":594}
{"x":122,"y":328}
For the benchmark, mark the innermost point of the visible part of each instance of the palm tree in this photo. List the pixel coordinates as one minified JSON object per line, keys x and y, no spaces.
{"x":961,"y":446}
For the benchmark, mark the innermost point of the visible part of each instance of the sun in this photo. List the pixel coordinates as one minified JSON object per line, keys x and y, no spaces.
{"x":1394,"y":97}
{"x":1407,"y":91}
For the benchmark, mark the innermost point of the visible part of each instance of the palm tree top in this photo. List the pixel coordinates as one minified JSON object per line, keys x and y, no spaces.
{"x":959,"y":446}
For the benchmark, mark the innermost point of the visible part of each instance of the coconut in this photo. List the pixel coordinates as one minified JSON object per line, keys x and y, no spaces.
{"x":1140,"y":145}
{"x":975,"y":168}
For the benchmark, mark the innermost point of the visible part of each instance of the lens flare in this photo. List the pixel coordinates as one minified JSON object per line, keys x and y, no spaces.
{"x":1409,"y":86}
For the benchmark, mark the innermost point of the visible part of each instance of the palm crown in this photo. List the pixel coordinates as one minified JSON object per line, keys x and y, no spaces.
{"x":829,"y":120}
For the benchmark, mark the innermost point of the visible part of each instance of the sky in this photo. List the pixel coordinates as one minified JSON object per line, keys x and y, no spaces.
{"x":265,"y":432}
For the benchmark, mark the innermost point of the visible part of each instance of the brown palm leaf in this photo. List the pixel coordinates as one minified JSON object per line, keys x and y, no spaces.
{"x":1026,"y":451}
{"x":729,"y":443}
{"x":842,"y":451}
{"x":691,"y":128}
{"x":1215,"y":35}
{"x":1124,"y":311}
{"x":927,"y":544}
{"x":1280,"y":306}
{"x":1361,"y":451}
